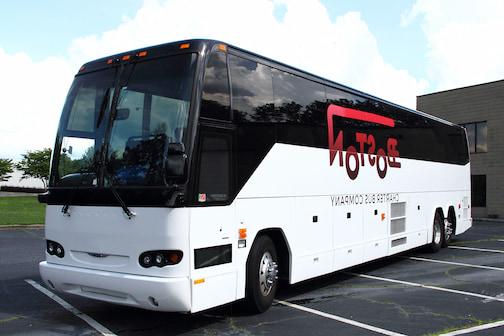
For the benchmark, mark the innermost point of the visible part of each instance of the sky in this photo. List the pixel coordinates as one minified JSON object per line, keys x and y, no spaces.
{"x":394,"y":49}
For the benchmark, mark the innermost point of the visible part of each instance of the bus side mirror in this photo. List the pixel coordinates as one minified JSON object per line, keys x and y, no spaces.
{"x":122,"y":114}
{"x":176,"y":161}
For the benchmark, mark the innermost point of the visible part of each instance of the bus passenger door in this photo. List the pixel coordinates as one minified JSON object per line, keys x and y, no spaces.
{"x":213,"y":275}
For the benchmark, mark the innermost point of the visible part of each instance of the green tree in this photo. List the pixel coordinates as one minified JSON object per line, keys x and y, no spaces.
{"x":6,"y":167}
{"x":36,"y":164}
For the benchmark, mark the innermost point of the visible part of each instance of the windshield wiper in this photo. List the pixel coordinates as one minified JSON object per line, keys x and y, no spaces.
{"x":103,"y":106}
{"x":123,"y":205}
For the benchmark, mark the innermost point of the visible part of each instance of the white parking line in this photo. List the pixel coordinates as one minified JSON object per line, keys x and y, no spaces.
{"x":477,"y":328}
{"x":97,"y":326}
{"x":457,"y":263}
{"x":454,"y":291}
{"x":340,"y":319}
{"x":475,"y":249}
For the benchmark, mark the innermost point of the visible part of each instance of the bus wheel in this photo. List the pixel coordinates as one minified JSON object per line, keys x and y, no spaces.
{"x":449,"y":229}
{"x":437,"y":233}
{"x":262,"y":275}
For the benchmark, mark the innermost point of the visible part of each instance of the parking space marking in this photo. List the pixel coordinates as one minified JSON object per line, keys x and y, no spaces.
{"x":456,"y":263}
{"x":475,"y":249}
{"x":442,"y":289}
{"x":8,"y":319}
{"x":94,"y":324}
{"x":473,"y":329}
{"x":340,"y":319}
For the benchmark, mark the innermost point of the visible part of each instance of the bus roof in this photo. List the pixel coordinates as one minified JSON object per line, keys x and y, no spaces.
{"x":201,"y":45}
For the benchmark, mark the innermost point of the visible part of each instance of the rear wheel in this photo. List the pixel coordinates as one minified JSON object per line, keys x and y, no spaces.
{"x":449,"y":230}
{"x":437,"y":233}
{"x":262,"y":275}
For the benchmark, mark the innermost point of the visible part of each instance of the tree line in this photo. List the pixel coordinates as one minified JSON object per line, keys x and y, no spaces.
{"x":33,"y":164}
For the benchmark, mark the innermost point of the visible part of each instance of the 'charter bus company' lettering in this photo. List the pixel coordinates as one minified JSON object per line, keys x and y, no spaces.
{"x":366,"y":143}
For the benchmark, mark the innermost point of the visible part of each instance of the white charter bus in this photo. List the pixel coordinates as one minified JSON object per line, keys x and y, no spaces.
{"x":193,"y":174}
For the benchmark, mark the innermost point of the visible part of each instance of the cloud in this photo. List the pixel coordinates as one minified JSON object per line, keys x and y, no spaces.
{"x":342,"y":49}
{"x":464,"y":40}
{"x":32,"y":97}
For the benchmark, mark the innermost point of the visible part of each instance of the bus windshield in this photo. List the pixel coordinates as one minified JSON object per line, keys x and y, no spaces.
{"x":117,"y":124}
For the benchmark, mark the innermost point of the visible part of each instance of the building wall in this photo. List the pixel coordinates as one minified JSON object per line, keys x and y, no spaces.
{"x":484,"y":102}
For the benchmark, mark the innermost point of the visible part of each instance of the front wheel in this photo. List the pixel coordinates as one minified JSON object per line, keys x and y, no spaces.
{"x":262,"y":275}
{"x":437,"y":233}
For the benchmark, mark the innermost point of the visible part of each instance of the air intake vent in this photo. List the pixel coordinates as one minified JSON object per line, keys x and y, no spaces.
{"x":397,"y":242}
{"x":397,"y":217}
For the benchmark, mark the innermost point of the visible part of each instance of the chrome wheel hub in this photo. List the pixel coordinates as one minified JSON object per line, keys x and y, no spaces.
{"x":268,"y":273}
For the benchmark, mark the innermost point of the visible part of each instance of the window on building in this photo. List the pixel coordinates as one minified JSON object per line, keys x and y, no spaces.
{"x":477,"y":136}
{"x":478,"y":190}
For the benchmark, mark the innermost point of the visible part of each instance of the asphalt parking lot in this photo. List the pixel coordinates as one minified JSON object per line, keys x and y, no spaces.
{"x":413,"y":294}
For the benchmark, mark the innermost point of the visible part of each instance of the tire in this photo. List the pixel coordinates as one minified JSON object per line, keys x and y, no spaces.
{"x":262,"y":275}
{"x":437,"y":234}
{"x":449,"y":229}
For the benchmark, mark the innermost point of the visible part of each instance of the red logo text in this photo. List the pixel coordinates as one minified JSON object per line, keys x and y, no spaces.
{"x":364,"y":150}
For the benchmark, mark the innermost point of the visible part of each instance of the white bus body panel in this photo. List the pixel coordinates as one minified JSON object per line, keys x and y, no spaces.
{"x":294,"y":190}
{"x":102,"y":248}
{"x":295,"y":183}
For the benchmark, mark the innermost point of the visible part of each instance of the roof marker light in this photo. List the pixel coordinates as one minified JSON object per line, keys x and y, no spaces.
{"x":142,"y":54}
{"x":126,"y":57}
{"x":184,"y":45}
{"x":222,"y":47}
{"x":110,"y":61}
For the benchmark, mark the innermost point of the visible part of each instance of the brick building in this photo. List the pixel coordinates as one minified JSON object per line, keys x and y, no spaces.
{"x":480,"y":108}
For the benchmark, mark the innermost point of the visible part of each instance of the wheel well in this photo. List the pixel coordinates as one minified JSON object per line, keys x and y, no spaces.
{"x":282,"y":249}
{"x":441,"y":213}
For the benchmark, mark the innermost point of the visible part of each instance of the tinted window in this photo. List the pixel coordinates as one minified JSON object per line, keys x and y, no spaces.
{"x":82,"y":128}
{"x":477,"y":136}
{"x":297,"y":100}
{"x":471,"y":136}
{"x":481,"y":137}
{"x":417,"y":137}
{"x":215,"y":96}
{"x":152,"y":111}
{"x":214,"y":170}
{"x":252,"y":90}
{"x":300,"y":110}
{"x":478,"y":190}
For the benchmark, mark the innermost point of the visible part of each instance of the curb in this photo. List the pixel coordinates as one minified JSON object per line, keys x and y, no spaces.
{"x":491,"y":220}
{"x":21,"y":226}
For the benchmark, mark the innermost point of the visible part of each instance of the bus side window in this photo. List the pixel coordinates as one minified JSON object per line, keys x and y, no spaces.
{"x":215,"y":168}
{"x":215,"y":97}
{"x":252,"y":88}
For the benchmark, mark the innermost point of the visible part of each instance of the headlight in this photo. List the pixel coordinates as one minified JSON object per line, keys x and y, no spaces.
{"x":54,"y":248}
{"x":159,"y":258}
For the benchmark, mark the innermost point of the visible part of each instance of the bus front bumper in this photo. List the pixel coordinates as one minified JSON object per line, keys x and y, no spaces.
{"x":153,"y":293}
